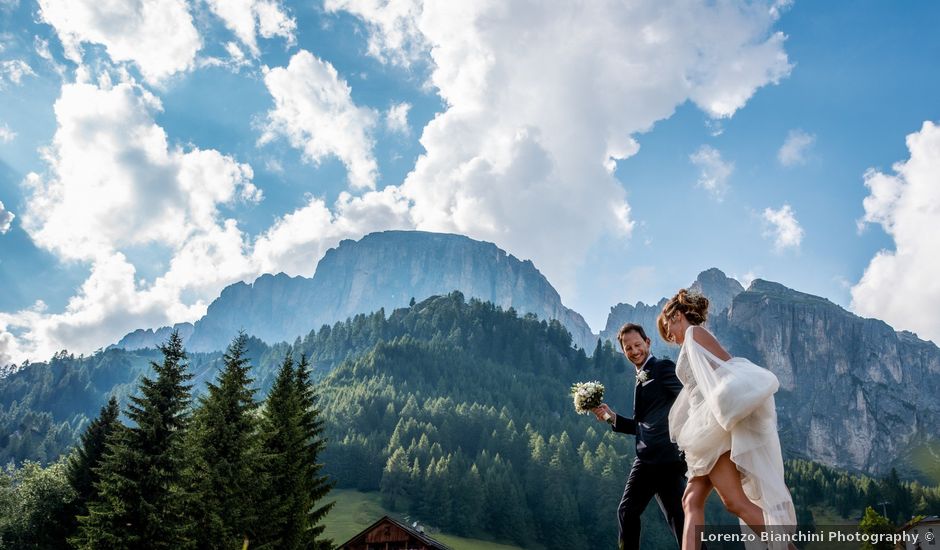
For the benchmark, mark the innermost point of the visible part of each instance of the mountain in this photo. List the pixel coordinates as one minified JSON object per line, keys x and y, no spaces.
{"x":150,"y":338}
{"x":382,"y":270}
{"x":713,"y":283}
{"x":854,"y":393}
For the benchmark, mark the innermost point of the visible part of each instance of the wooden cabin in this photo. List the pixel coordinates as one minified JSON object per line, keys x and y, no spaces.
{"x":389,"y":534}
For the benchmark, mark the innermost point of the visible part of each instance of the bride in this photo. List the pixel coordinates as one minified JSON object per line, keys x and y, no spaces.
{"x":725,"y":422}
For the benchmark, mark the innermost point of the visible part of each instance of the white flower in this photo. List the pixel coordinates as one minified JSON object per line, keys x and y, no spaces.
{"x":642,"y":376}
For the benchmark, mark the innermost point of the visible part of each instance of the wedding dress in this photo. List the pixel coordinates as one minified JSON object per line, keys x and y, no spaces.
{"x":743,"y":421}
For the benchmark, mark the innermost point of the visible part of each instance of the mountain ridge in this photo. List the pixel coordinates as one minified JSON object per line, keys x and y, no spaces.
{"x":383,"y":270}
{"x":861,"y":367}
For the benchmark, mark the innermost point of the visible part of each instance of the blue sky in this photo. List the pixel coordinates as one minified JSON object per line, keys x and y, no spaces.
{"x":151,"y":156}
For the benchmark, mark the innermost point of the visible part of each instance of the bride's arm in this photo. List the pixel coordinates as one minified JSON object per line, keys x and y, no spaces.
{"x":705,"y":339}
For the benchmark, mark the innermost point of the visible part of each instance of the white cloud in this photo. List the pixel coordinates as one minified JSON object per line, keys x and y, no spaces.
{"x":713,"y":170}
{"x":114,"y":180}
{"x":6,"y":133}
{"x":314,"y":110}
{"x":14,"y":70}
{"x":107,"y":302}
{"x":783,"y":227}
{"x":296,"y":242}
{"x":540,"y":102}
{"x":8,"y":349}
{"x":396,"y":118}
{"x":394,"y":33}
{"x":543,"y":98}
{"x":114,"y":183}
{"x":236,"y":54}
{"x":793,"y":151}
{"x":156,"y":35}
{"x":897,"y":284}
{"x":250,"y":18}
{"x":780,"y":6}
{"x":6,"y":219}
{"x":746,"y":279}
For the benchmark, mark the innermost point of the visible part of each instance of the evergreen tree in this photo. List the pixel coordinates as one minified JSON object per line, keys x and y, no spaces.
{"x":315,"y":485}
{"x":140,"y":501}
{"x":290,"y":443}
{"x":395,"y":480}
{"x":280,"y":437}
{"x":223,"y":458}
{"x":83,"y":463}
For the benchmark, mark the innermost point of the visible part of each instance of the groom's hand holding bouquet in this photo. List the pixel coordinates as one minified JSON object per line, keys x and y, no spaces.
{"x":589,"y":398}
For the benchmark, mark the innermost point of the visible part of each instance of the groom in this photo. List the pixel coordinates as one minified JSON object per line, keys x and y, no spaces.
{"x":658,"y":470}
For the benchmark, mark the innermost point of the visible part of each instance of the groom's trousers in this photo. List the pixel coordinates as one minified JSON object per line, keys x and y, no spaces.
{"x":666,"y":482}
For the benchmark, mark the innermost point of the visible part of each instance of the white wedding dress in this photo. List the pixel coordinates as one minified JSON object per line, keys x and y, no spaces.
{"x":743,"y":421}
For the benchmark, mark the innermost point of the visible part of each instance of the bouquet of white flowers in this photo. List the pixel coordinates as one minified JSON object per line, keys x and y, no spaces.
{"x":588,"y":396}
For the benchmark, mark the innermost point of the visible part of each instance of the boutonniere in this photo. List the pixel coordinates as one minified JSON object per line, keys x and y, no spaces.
{"x":642,"y":376}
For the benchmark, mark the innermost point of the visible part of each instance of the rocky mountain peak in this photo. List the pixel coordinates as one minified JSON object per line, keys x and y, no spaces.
{"x":382,"y":270}
{"x":718,"y":288}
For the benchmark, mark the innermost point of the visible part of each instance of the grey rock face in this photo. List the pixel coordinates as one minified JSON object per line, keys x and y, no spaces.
{"x":718,"y":288}
{"x":715,"y":285}
{"x":382,"y":270}
{"x":643,"y":315}
{"x":854,"y":393}
{"x":151,"y":338}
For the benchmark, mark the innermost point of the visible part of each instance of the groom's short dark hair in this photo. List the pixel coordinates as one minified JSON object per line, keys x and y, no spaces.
{"x":628,"y":328}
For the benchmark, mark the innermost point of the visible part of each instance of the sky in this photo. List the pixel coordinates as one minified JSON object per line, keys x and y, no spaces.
{"x":153,"y":152}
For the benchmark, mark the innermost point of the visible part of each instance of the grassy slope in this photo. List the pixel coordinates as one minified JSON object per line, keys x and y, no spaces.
{"x":354,"y":511}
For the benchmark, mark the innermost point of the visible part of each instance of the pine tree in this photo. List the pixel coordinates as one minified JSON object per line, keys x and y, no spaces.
{"x":280,"y":434}
{"x":81,"y":467}
{"x":223,"y":458}
{"x":395,"y":480}
{"x":292,"y":487}
{"x":315,"y":485}
{"x":140,"y":498}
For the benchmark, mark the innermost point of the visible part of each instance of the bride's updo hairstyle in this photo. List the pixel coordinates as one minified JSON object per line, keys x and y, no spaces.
{"x":691,"y":304}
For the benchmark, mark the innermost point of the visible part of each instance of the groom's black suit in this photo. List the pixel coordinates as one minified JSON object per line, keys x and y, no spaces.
{"x":658,"y":469}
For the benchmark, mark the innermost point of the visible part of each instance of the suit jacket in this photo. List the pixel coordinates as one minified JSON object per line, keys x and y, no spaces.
{"x":650,"y":423}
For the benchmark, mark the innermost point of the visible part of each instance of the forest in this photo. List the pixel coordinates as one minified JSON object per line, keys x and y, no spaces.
{"x":456,"y":411}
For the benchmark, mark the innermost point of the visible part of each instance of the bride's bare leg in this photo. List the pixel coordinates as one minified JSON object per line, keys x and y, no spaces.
{"x":727,"y":481}
{"x":693,"y":506}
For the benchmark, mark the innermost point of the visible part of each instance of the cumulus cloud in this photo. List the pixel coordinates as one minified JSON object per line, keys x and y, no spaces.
{"x":107,"y":302}
{"x":713,"y":170}
{"x":314,"y":110}
{"x":394,"y":33}
{"x":13,"y":71}
{"x":782,"y":226}
{"x":396,"y":118}
{"x":6,"y":219}
{"x":114,"y":181}
{"x":250,"y":18}
{"x":299,"y":239}
{"x":794,"y":149}
{"x":906,"y":204}
{"x":6,"y":133}
{"x":156,"y":35}
{"x":543,"y":99}
{"x":7,"y":348}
